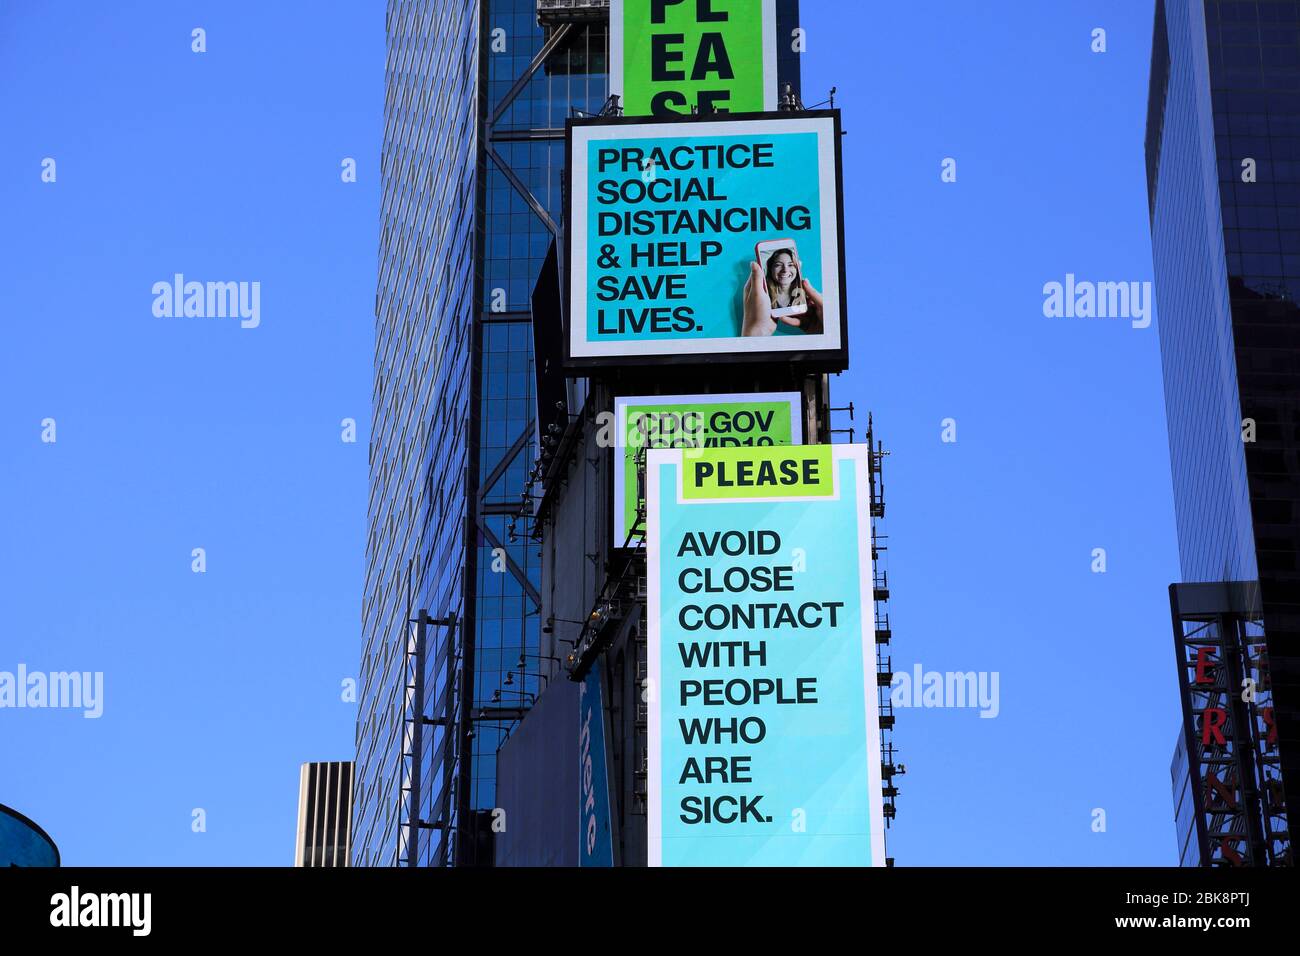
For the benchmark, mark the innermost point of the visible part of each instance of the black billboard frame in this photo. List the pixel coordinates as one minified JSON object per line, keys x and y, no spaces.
{"x":812,"y":360}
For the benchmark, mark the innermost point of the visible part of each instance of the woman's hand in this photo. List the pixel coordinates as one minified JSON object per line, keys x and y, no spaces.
{"x":758,"y":305}
{"x":758,"y":308}
{"x":814,"y":313}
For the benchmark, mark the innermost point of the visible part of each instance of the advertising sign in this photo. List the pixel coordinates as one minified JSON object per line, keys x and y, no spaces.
{"x":694,"y":421}
{"x":705,"y":238}
{"x":684,"y":56}
{"x":595,"y":842}
{"x":764,"y":734}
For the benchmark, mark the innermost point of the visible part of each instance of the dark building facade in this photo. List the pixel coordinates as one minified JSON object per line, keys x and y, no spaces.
{"x":1185,"y":810}
{"x":1223,"y":170}
{"x":324,"y":835}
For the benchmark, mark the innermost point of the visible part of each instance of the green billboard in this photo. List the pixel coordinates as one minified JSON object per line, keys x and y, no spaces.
{"x":677,"y":57}
{"x":693,"y":421}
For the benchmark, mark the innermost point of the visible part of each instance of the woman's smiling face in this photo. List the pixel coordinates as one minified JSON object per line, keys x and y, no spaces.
{"x":783,"y":270}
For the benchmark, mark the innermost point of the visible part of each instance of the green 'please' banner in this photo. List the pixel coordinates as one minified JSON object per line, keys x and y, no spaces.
{"x":685,"y":55}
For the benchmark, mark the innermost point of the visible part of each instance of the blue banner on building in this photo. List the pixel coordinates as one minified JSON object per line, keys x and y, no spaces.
{"x":595,"y":842}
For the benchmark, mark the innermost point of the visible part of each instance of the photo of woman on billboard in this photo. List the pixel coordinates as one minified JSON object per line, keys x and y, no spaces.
{"x":784,"y":282}
{"x":777,"y":298}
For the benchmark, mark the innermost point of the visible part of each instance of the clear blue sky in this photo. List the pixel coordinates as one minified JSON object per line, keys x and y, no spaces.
{"x":177,"y":434}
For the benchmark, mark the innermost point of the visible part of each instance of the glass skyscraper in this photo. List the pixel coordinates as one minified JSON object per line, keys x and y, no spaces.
{"x":1223,"y":171}
{"x":476,"y":99}
{"x":477,"y":94}
{"x":1189,"y":851}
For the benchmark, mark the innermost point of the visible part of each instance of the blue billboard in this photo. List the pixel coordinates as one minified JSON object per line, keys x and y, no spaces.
{"x":764,"y":733}
{"x":705,"y":237}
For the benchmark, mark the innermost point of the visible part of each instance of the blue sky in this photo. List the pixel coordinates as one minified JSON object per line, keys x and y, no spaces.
{"x":176,"y":434}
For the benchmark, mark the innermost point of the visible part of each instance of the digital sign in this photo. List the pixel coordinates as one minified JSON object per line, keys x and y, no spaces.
{"x":705,"y":239}
{"x":683,"y":56}
{"x":693,"y":421}
{"x":764,"y":733}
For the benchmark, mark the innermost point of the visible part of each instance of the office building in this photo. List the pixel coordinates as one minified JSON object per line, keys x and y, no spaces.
{"x":473,"y":161}
{"x":574,"y":775}
{"x":1185,"y":809}
{"x":1223,"y":172}
{"x":324,"y":814}
{"x":476,"y":99}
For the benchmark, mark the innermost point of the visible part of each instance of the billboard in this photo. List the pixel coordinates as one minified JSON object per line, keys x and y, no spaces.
{"x":681,"y":56}
{"x":764,"y":733}
{"x":694,"y":421}
{"x":705,"y":238}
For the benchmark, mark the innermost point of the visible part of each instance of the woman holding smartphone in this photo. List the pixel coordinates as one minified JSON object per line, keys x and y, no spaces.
{"x":784,"y":284}
{"x":776,"y":294}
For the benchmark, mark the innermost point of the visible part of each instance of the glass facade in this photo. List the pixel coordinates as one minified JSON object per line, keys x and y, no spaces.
{"x":477,"y":95}
{"x":1185,"y":809}
{"x":472,"y":164}
{"x":420,"y":429}
{"x":1211,"y":499}
{"x":524,"y":173}
{"x":1223,"y":161}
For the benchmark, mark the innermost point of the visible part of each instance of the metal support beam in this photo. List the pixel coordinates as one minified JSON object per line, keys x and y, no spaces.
{"x":542,"y":133}
{"x":524,"y":191}
{"x":549,"y":47}
{"x":515,"y":570}
{"x":500,"y":469}
{"x":414,"y":664}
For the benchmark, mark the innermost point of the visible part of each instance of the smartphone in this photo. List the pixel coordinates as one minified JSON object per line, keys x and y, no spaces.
{"x":786,"y":267}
